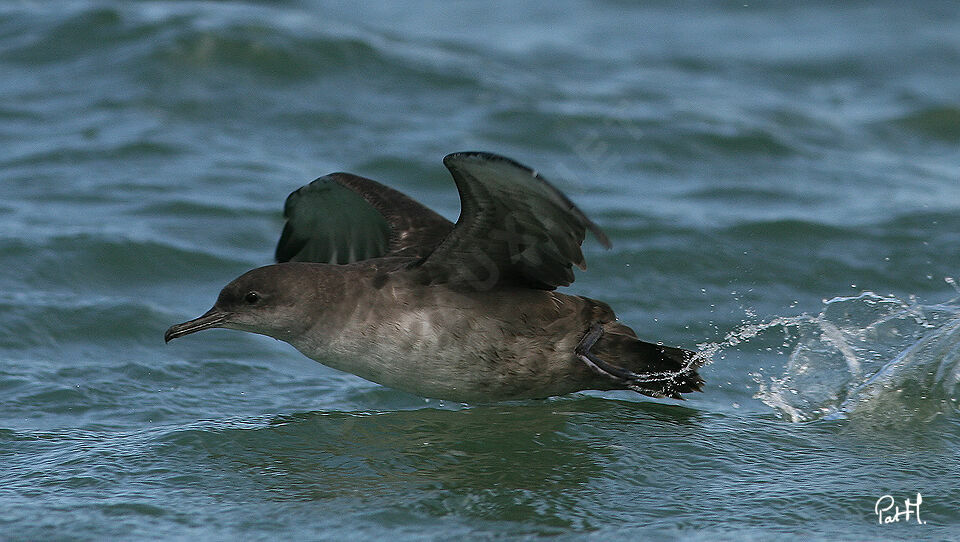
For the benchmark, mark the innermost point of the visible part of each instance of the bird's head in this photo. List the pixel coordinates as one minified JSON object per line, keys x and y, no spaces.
{"x":272,"y":300}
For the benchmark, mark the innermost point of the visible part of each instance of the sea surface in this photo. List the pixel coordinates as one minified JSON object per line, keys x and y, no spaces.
{"x":780,"y":180}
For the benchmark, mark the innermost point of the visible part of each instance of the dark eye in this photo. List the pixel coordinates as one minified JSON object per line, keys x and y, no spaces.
{"x":251,"y":298}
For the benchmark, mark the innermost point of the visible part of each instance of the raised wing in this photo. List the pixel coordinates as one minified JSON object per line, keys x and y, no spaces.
{"x":514,"y":228}
{"x":342,"y":218}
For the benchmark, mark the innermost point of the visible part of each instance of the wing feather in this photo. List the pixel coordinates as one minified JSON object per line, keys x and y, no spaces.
{"x":514,"y":228}
{"x":343,"y":218}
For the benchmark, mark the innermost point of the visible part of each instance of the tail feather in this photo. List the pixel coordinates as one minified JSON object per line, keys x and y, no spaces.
{"x":660,"y":371}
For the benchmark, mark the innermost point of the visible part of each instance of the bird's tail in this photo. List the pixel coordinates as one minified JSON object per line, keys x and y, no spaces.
{"x":647,"y":368}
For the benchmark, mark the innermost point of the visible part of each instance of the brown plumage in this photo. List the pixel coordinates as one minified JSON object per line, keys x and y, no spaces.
{"x":372,"y":282}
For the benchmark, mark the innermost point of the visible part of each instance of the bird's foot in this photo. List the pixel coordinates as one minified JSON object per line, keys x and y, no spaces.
{"x":597,"y":364}
{"x":629,"y":379}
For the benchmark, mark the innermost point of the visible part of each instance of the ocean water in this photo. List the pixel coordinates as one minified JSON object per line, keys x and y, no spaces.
{"x":781,"y":183}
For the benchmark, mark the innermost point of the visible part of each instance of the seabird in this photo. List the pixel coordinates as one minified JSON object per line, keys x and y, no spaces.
{"x":371,"y":282}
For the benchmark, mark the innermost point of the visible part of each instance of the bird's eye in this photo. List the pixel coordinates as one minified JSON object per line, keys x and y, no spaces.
{"x":251,"y":298}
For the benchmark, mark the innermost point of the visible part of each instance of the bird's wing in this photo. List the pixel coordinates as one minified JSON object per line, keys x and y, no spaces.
{"x":514,"y":228}
{"x":342,"y":218}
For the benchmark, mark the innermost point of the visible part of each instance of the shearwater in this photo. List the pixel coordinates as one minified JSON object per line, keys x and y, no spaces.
{"x":371,"y":282}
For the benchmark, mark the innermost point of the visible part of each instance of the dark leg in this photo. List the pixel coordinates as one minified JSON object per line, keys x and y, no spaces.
{"x":672,"y":370}
{"x":597,"y":364}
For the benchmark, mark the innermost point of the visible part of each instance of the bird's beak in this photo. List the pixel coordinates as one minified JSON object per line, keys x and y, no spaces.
{"x":212,"y":318}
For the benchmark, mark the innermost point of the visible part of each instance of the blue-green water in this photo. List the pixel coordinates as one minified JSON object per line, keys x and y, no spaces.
{"x":781,"y":183}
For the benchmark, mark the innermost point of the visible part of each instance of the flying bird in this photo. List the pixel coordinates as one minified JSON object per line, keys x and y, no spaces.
{"x":371,"y":282}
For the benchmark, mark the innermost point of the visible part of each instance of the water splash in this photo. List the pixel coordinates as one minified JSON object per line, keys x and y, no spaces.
{"x":867,"y":356}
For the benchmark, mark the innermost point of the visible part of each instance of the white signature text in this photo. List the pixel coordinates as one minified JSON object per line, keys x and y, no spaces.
{"x":888,"y":511}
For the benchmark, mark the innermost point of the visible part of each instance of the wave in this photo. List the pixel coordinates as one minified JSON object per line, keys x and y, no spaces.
{"x":49,"y":324}
{"x":87,"y":259}
{"x":939,"y":123}
{"x":279,"y":42}
{"x":870,"y":357}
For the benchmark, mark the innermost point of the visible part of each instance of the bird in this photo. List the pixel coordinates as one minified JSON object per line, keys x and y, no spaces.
{"x":369,"y":281}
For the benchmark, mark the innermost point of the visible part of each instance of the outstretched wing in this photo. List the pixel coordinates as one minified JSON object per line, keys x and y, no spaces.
{"x":514,"y":228}
{"x":342,"y":218}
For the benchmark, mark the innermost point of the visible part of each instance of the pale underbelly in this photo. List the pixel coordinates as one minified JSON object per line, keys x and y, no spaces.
{"x":470,"y":366}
